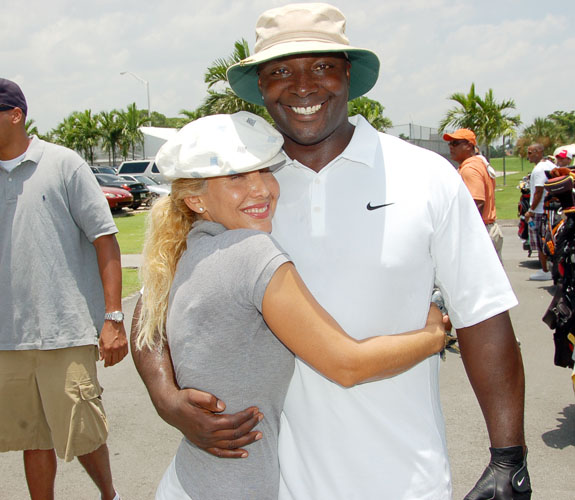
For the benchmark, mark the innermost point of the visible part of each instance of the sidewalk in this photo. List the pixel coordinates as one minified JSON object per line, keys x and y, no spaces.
{"x":131,"y":260}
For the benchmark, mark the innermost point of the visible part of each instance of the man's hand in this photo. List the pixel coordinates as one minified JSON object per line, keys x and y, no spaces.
{"x":196,"y":415}
{"x":113,"y":343}
{"x":505,"y":478}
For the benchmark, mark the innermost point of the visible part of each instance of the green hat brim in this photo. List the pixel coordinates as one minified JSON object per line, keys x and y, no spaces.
{"x":243,"y":76}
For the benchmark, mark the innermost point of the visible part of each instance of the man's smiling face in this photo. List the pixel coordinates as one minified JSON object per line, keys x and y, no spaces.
{"x":306,"y":95}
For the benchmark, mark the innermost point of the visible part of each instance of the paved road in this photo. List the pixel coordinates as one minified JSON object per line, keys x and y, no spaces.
{"x":141,"y":445}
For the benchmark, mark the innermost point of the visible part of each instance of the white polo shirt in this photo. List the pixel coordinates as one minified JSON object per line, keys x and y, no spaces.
{"x":370,"y":233}
{"x":537,"y":179}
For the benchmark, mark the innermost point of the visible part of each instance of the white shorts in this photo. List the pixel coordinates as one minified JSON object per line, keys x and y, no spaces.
{"x":170,"y":487}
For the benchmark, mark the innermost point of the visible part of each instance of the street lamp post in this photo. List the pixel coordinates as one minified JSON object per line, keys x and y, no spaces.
{"x":145,"y":82}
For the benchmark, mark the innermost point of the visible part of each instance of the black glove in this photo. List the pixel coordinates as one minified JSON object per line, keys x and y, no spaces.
{"x":505,"y":478}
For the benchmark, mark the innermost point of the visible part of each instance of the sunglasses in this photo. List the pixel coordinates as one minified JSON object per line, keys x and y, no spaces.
{"x":5,"y":107}
{"x":457,"y":142}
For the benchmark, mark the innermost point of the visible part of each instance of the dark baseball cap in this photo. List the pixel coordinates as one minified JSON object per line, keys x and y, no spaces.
{"x":11,"y":96}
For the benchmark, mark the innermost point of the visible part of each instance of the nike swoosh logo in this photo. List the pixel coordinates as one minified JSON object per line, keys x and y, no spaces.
{"x":519,"y":483}
{"x":375,"y":207}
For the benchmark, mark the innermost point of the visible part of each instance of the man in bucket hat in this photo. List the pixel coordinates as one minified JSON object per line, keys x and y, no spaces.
{"x":61,"y":283}
{"x":370,"y":244}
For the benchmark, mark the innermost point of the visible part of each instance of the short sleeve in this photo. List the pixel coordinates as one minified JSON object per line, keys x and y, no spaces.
{"x":474,"y":182}
{"x":258,"y":257}
{"x":468,"y":272}
{"x":88,"y":204}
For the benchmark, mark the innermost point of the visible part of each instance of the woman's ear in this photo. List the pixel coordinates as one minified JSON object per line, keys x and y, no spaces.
{"x":195,"y":204}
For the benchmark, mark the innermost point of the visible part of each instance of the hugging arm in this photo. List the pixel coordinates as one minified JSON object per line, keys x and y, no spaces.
{"x":196,"y":414}
{"x":312,"y":334}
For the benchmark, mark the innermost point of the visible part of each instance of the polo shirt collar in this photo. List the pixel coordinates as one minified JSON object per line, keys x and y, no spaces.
{"x":361,"y":149}
{"x":34,"y":151}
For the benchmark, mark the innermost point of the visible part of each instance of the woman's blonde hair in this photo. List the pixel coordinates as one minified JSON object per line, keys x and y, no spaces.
{"x":169,"y":223}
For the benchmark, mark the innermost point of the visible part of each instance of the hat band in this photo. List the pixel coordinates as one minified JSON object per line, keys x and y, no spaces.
{"x":302,"y":38}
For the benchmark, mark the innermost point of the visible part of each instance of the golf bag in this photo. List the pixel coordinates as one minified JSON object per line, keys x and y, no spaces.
{"x":522,"y":209}
{"x":560,"y":315}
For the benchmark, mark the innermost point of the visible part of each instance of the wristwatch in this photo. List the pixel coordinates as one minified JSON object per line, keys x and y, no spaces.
{"x":116,"y":316}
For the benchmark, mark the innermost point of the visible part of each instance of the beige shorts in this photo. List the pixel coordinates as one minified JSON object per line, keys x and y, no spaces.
{"x":51,"y":399}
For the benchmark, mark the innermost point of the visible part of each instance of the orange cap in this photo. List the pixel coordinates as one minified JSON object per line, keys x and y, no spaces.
{"x":462,"y":133}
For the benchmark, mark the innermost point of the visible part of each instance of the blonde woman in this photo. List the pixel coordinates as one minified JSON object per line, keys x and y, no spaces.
{"x":233,"y":306}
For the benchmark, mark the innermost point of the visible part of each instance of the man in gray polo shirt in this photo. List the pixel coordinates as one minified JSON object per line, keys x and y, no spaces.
{"x":61,"y":282}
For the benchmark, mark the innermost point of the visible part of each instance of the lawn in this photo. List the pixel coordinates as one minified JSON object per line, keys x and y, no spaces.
{"x":507,"y":194}
{"x":130,"y":282}
{"x":131,"y":239}
{"x":132,"y":227}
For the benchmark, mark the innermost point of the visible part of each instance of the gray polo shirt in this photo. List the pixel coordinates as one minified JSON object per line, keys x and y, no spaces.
{"x":220,"y":343}
{"x":51,"y":210}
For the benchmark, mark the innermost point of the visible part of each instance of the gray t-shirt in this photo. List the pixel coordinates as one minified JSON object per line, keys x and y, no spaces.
{"x":220,"y":343}
{"x":51,"y":210}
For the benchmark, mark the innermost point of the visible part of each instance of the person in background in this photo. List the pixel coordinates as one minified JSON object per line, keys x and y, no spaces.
{"x":61,"y":307}
{"x":535,"y":216}
{"x":563,"y":158}
{"x":479,"y":177}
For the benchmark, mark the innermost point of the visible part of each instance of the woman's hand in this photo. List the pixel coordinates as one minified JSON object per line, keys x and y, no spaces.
{"x":435,"y":326}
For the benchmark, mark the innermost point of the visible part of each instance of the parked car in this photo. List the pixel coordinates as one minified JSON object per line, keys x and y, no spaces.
{"x":138,"y":190}
{"x":141,"y":167}
{"x":156,"y":189}
{"x":117,"y":198}
{"x":103,"y":170}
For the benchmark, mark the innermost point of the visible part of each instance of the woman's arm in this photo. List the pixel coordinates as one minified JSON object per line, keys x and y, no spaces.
{"x":296,"y":318}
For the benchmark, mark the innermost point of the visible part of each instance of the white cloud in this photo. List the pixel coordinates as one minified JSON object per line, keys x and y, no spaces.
{"x":67,"y":55}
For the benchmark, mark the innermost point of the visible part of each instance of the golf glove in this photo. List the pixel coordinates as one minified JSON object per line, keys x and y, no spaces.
{"x":505,"y":478}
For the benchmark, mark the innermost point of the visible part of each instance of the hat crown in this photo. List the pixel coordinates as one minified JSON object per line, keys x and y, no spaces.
{"x":300,"y":23}
{"x":218,"y":145}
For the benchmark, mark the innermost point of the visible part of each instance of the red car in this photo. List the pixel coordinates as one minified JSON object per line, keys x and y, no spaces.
{"x":117,"y":198}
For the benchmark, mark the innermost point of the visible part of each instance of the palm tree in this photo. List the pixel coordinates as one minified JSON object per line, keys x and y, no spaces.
{"x":79,"y":131}
{"x":111,"y":129}
{"x":542,"y":131}
{"x":565,"y":122}
{"x":371,"y":110}
{"x":132,"y":120}
{"x":87,"y":133}
{"x":31,"y":129}
{"x":221,"y":99}
{"x":488,"y":118}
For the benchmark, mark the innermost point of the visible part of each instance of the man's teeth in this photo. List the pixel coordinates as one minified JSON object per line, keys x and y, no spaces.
{"x":256,"y":210}
{"x":309,"y":110}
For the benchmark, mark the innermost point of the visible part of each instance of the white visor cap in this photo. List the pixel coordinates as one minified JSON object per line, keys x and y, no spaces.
{"x":219,"y":145}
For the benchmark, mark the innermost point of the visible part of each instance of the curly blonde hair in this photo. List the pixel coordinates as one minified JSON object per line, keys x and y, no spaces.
{"x":169,"y":223}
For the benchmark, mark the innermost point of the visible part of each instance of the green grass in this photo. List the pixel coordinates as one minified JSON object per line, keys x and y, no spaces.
{"x":130,"y":281}
{"x":132,"y":228}
{"x":507,"y":195}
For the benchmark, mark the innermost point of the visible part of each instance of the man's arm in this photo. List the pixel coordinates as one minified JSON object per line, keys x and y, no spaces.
{"x":113,"y":342}
{"x":494,"y":366}
{"x":194,"y":413}
{"x":536,"y":199}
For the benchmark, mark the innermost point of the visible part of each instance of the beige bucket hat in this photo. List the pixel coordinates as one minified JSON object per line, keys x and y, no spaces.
{"x":302,"y":28}
{"x":219,"y":145}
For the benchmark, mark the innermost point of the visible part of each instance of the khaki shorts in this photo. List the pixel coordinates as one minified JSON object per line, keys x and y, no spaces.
{"x":51,"y":399}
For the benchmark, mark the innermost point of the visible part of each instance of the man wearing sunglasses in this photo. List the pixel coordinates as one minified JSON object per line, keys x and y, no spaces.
{"x":479,"y":177}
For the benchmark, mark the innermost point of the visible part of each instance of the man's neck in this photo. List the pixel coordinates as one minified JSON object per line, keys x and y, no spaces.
{"x":467,"y":158}
{"x":15,"y":148}
{"x":317,"y":156}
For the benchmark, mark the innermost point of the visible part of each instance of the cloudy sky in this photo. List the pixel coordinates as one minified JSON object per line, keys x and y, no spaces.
{"x":67,"y":55}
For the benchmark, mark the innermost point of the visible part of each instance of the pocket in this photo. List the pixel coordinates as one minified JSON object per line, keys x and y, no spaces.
{"x":89,"y":391}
